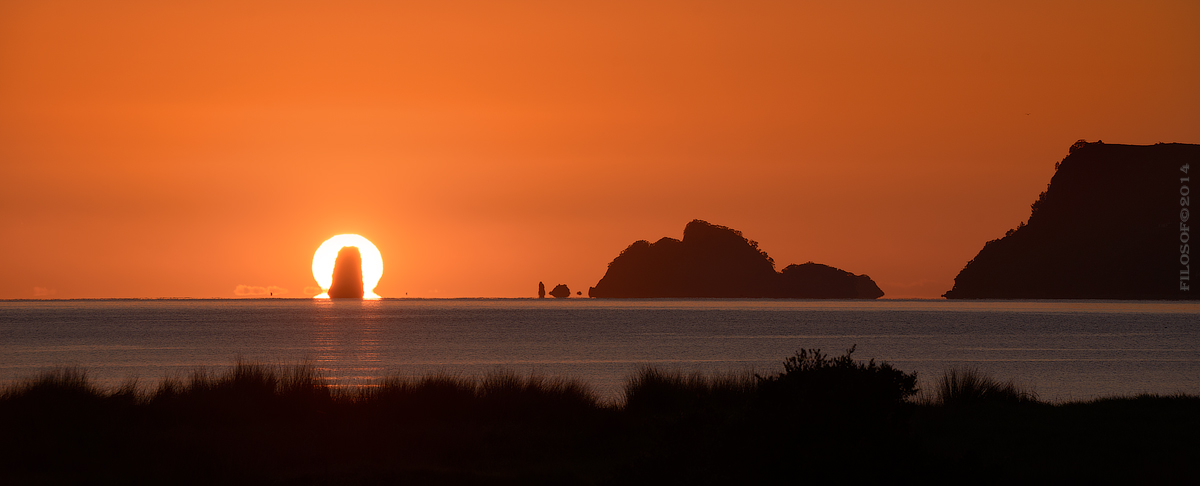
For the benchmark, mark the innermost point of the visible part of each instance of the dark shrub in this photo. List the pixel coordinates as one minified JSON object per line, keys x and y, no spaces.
{"x":815,"y":388}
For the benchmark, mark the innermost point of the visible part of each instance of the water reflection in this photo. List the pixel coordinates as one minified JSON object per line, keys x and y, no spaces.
{"x":346,"y":340}
{"x":1057,"y":348}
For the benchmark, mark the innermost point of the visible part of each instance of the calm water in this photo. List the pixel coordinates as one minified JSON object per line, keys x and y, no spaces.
{"x":1063,"y":350}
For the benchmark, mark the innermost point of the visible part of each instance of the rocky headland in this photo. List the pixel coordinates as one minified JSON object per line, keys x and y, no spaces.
{"x":1114,"y":223}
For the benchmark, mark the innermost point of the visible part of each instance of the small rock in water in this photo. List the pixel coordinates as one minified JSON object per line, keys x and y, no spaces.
{"x":560,"y":292}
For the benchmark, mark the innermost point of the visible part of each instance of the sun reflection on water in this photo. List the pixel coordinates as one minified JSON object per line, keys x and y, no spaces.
{"x":346,"y":340}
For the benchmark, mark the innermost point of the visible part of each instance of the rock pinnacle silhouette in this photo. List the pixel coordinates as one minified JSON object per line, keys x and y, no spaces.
{"x":347,"y":274}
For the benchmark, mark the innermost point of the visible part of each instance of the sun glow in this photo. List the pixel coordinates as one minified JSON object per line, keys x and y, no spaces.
{"x":326,"y":255}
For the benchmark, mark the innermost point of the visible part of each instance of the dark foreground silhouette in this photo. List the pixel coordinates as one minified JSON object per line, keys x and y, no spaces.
{"x":821,"y":420}
{"x":716,"y":261}
{"x":1114,"y":223}
{"x":347,"y":274}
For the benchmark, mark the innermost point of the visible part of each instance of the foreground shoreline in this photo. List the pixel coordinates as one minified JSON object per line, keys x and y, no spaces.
{"x":823,"y":419}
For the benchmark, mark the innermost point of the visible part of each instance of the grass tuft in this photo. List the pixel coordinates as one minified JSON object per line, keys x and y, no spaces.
{"x":68,"y":383}
{"x":655,"y":391}
{"x":967,"y":387}
{"x":435,"y":396}
{"x":510,"y":394}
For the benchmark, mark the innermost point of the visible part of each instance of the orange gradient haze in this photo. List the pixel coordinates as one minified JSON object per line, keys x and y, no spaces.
{"x":206,"y":149}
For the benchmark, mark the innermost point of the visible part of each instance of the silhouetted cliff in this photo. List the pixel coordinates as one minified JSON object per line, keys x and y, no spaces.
{"x":347,"y":274}
{"x":1112,"y":224}
{"x":715,"y":261}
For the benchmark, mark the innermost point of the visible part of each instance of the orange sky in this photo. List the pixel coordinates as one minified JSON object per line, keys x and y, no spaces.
{"x":181,"y":149}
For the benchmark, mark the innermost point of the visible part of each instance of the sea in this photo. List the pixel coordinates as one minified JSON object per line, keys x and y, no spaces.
{"x":1061,"y":350}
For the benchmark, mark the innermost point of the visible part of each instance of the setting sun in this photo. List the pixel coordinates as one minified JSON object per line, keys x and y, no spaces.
{"x":326,"y":255}
{"x":622,"y":236}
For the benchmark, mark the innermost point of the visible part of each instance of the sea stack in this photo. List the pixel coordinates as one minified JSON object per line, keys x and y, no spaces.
{"x":561,"y":291}
{"x":1114,"y":223}
{"x":718,"y":262}
{"x":347,"y":274}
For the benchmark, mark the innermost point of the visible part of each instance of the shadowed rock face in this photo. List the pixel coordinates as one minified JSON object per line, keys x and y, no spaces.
{"x":817,"y":281}
{"x":347,"y":275}
{"x":1109,"y":226}
{"x":716,"y":261}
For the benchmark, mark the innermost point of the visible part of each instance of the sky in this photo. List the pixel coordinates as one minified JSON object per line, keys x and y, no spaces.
{"x":206,"y":149}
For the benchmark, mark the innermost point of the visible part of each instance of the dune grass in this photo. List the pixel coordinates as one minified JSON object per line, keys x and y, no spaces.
{"x":64,"y":383}
{"x":655,"y":391}
{"x":968,"y":386}
{"x":820,"y":419}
